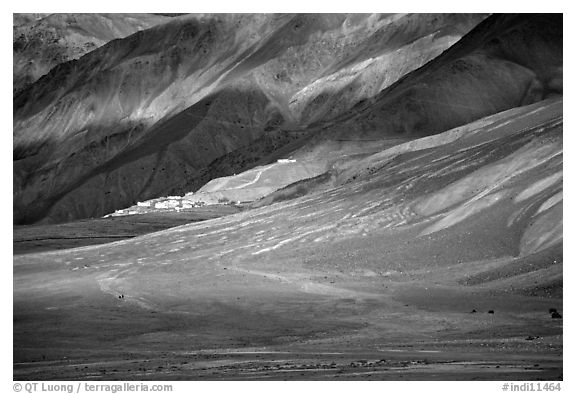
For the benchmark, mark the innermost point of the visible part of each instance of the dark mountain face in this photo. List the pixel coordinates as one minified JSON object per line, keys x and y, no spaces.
{"x":42,"y":41}
{"x":169,"y":108}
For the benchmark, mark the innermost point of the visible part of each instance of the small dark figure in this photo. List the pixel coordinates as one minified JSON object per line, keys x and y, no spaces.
{"x":556,"y":315}
{"x":491,"y":312}
{"x":473,"y":311}
{"x":552,"y":310}
{"x":121,"y":296}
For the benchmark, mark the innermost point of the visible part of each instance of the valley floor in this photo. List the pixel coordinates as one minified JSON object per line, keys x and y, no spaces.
{"x":42,"y":238}
{"x":409,"y":330}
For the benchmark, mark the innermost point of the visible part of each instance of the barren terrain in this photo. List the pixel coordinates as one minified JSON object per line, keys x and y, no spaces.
{"x":437,"y":258}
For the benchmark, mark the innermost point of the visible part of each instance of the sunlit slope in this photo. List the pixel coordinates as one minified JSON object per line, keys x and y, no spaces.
{"x":172,"y":99}
{"x":261,"y":181}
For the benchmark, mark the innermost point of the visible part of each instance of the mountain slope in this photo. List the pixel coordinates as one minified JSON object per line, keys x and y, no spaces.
{"x":42,"y":41}
{"x":99,"y":133}
{"x":505,"y":62}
